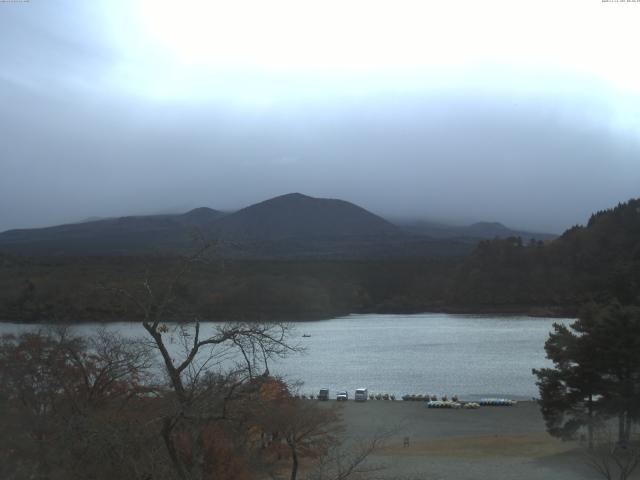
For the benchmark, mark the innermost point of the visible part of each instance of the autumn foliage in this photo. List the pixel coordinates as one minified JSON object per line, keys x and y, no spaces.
{"x":75,"y":408}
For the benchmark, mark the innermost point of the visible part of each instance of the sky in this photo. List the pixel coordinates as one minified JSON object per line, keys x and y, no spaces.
{"x":526,"y":113}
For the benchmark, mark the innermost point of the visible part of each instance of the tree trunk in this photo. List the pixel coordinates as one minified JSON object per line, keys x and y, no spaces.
{"x":621,"y":427}
{"x":590,"y":425}
{"x":167,"y":428}
{"x":174,"y":374}
{"x":294,"y":459}
{"x":627,"y":433}
{"x":42,"y":468}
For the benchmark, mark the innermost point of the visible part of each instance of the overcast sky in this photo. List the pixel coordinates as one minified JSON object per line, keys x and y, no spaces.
{"x":526,"y":113}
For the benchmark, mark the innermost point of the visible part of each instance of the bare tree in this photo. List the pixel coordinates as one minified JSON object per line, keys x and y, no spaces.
{"x":350,"y":460}
{"x":214,"y":380}
{"x":613,"y":460}
{"x":305,"y":429}
{"x":200,"y":395}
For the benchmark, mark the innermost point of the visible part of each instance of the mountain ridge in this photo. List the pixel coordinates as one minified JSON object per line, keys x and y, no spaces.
{"x":295,"y":215}
{"x":135,"y":234}
{"x":292,"y":223}
{"x":480,"y":230}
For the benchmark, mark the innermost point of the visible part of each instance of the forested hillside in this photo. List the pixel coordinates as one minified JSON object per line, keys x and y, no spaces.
{"x":80,"y":289}
{"x":599,"y":261}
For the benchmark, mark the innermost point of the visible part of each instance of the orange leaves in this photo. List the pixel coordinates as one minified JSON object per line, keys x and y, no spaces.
{"x":274,"y":390}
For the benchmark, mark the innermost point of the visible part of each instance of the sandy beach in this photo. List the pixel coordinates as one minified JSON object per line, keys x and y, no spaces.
{"x":491,"y":442}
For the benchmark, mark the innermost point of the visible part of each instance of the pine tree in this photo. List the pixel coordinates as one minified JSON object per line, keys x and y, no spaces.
{"x":596,"y":372}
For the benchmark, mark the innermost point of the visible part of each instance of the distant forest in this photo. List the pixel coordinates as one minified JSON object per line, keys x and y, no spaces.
{"x":599,"y":261}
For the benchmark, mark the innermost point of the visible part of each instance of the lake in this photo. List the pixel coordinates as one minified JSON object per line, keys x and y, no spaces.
{"x":468,"y":355}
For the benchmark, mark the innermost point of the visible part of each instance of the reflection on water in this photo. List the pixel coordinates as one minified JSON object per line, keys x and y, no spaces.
{"x":468,"y":355}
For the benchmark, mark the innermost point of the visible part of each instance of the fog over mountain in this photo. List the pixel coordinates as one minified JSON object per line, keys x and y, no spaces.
{"x":98,"y":121}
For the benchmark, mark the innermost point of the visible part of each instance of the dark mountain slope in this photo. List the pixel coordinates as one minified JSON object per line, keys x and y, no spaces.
{"x":478,"y":231}
{"x":298,"y":216}
{"x":290,"y":226}
{"x":135,"y":234}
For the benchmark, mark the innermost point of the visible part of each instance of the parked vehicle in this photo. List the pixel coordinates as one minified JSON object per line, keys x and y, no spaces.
{"x":324,"y":394}
{"x":362,"y":394}
{"x":342,"y":396}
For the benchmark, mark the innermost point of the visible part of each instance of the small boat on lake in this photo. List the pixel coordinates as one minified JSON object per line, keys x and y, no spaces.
{"x":306,"y":335}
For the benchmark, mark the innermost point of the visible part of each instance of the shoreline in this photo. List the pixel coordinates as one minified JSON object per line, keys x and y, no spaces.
{"x":533,"y":312}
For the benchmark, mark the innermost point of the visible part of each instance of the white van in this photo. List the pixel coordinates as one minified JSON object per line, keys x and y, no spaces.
{"x":362,"y":395}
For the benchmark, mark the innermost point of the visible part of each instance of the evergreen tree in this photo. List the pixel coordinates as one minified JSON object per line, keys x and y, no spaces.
{"x":596,"y":372}
{"x":615,"y":331}
{"x":569,"y":392}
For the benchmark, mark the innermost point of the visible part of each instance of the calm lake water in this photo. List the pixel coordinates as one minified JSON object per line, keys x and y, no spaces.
{"x":468,"y":355}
